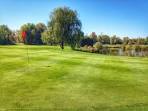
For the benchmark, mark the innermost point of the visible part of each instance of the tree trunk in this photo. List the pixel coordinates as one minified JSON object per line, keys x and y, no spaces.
{"x":62,"y":45}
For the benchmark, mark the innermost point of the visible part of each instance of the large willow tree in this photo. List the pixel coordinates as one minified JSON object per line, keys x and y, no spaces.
{"x":65,"y":25}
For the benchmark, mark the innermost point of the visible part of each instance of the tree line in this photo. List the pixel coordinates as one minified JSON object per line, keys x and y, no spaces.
{"x":64,"y":28}
{"x":104,"y":39}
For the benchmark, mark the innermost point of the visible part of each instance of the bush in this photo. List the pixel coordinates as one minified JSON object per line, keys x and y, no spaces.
{"x":89,"y":49}
{"x":128,"y":50}
{"x":92,"y":49}
{"x":98,"y":46}
{"x":114,"y":51}
{"x":86,"y":41}
{"x":136,"y":48}
{"x":144,"y":48}
{"x":128,"y":47}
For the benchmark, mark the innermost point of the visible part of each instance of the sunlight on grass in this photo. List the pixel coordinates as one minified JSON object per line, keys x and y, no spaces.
{"x":71,"y":81}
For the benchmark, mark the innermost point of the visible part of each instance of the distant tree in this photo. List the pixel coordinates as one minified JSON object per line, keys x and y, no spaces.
{"x":140,"y":41}
{"x":130,"y":42}
{"x":93,"y":36}
{"x":146,"y":40}
{"x":46,"y":38}
{"x":86,"y":41}
{"x":98,"y":46}
{"x":78,"y":38}
{"x":104,"y":39}
{"x":40,"y":28}
{"x":119,"y":40}
{"x":6,"y":35}
{"x":29,"y":28}
{"x":33,"y":32}
{"x":125,"y":40}
{"x":66,"y":26}
{"x":135,"y":41}
{"x":115,"y":40}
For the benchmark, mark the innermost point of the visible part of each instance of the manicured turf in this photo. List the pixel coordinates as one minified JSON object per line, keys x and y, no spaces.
{"x":56,"y":80}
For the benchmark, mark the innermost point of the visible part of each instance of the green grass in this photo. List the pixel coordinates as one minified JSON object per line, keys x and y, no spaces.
{"x":56,"y":80}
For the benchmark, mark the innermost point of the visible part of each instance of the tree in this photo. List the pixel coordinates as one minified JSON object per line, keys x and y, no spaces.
{"x":33,"y":32}
{"x":29,"y":28}
{"x":125,"y":40}
{"x":48,"y":38}
{"x":140,"y":41}
{"x":6,"y":35}
{"x":78,"y":37}
{"x":98,"y":46}
{"x":104,"y":39}
{"x":146,"y":40}
{"x":115,"y":40}
{"x":65,"y":26}
{"x":86,"y":41}
{"x":40,"y":28}
{"x":45,"y":37}
{"x":93,"y":35}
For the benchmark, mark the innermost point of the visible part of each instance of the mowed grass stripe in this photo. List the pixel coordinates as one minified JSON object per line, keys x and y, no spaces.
{"x":74,"y":81}
{"x":38,"y":75}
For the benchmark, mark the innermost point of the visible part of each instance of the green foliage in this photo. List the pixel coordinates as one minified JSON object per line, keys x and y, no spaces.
{"x":65,"y":26}
{"x":115,"y":40}
{"x":6,"y":35}
{"x":125,"y":40}
{"x":33,"y":32}
{"x":104,"y":39}
{"x":98,"y":46}
{"x":48,"y":38}
{"x":93,"y":36}
{"x":146,"y":40}
{"x":29,"y":29}
{"x":144,"y":48}
{"x":86,"y":41}
{"x":40,"y":27}
{"x":140,"y":41}
{"x":137,"y":48}
{"x":114,"y":51}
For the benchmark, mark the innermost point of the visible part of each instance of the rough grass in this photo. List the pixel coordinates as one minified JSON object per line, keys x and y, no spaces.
{"x":56,"y":80}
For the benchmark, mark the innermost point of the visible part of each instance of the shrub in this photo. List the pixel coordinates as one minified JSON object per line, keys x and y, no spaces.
{"x":98,"y":46}
{"x":86,"y":41}
{"x":85,"y":48}
{"x":114,"y":51}
{"x":128,"y":47}
{"x":136,"y":48}
{"x":123,"y":47}
{"x":128,"y":50}
{"x":144,"y":48}
{"x":89,"y":49}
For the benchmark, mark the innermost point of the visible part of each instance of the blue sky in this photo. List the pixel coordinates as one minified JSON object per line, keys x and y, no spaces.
{"x":113,"y":17}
